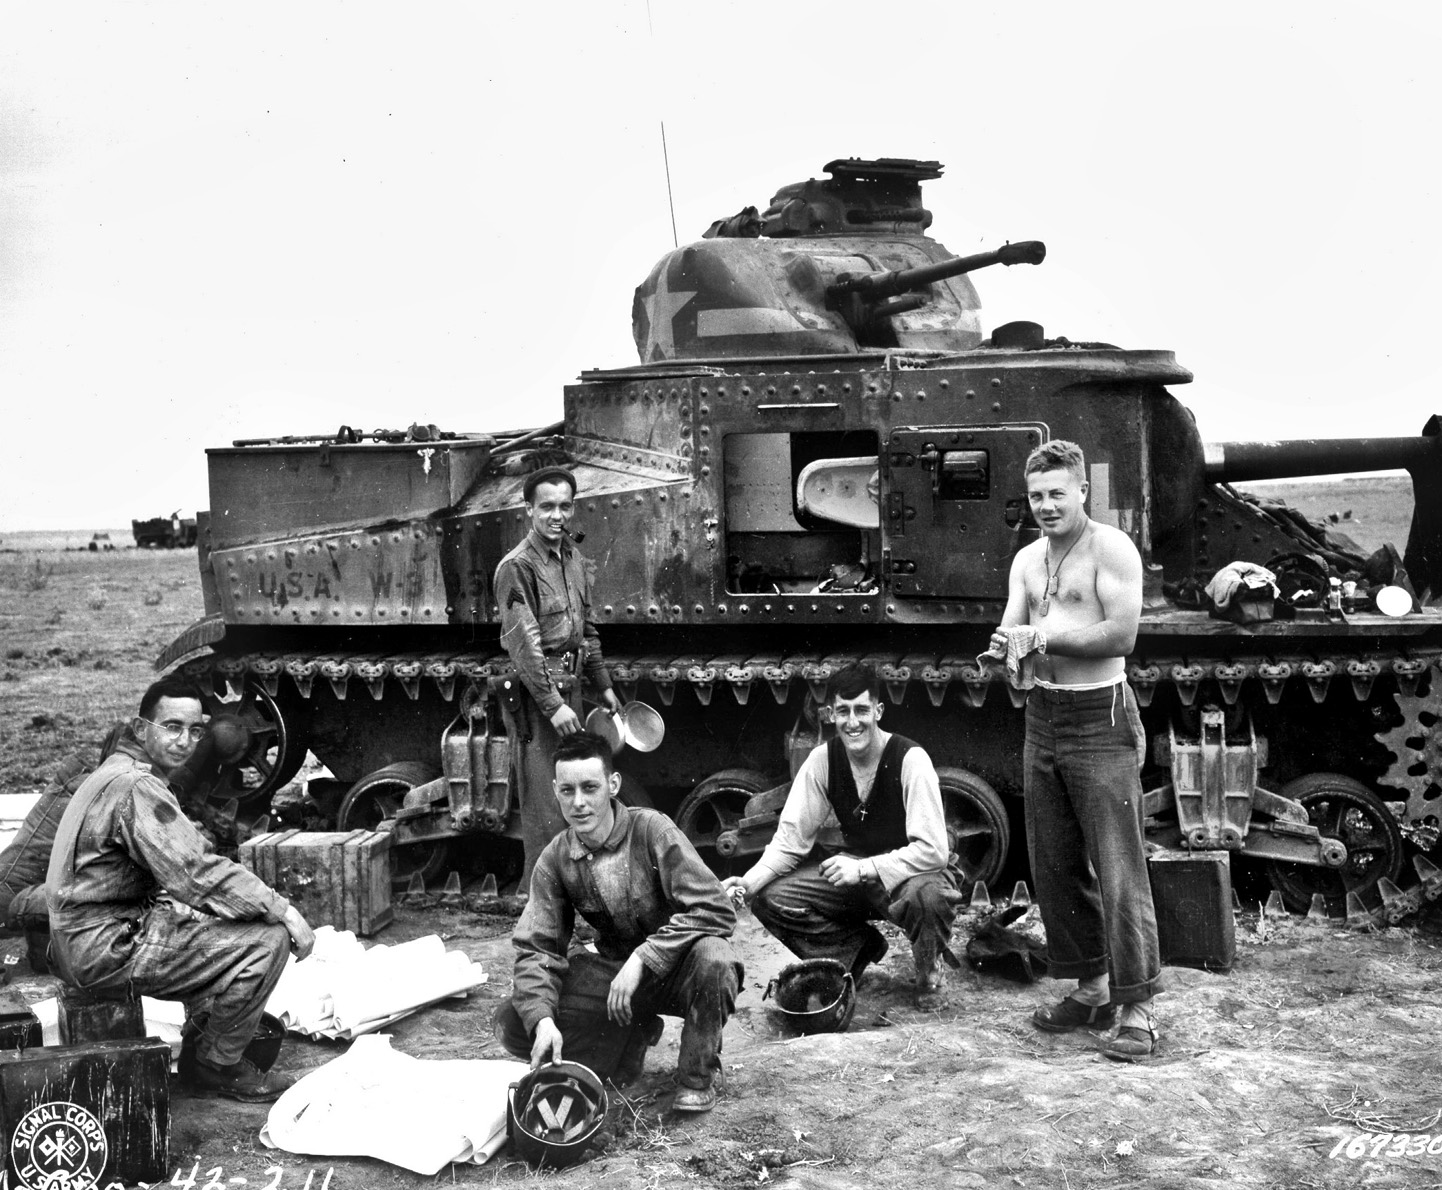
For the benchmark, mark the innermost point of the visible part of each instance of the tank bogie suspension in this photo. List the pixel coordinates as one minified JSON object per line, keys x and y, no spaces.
{"x":741,"y":675}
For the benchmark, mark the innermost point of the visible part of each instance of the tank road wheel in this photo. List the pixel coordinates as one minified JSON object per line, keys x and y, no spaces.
{"x":273,"y":756}
{"x":1340,"y":808}
{"x":378,"y":796}
{"x":977,"y":827}
{"x":717,"y":805}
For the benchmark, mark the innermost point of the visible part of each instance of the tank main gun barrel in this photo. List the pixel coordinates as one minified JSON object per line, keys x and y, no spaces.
{"x":877,"y":286}
{"x":1237,"y":462}
{"x":1421,"y":457}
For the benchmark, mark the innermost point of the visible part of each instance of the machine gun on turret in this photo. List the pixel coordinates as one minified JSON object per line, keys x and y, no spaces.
{"x":862,"y":299}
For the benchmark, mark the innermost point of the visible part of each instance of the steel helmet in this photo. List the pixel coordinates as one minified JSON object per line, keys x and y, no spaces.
{"x":554,"y":1112}
{"x":814,"y":996}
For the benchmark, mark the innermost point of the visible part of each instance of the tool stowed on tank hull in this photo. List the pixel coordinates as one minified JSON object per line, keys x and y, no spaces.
{"x":819,"y":460}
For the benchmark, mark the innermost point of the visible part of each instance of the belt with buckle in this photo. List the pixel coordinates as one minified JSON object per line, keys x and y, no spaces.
{"x":564,"y":661}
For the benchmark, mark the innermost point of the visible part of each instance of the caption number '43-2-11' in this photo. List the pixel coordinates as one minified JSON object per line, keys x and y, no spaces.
{"x":215,"y":1179}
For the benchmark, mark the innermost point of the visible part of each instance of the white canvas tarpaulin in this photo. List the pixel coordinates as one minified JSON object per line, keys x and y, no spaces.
{"x":344,"y":989}
{"x":374,"y":1102}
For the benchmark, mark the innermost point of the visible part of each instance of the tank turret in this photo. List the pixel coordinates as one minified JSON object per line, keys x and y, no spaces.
{"x":834,"y":266}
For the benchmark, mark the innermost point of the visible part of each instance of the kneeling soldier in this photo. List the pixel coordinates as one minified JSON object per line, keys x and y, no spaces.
{"x":662,"y":924}
{"x":881,"y":790}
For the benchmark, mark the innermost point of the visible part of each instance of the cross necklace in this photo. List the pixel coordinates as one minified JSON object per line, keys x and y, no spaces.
{"x":1053,"y":579}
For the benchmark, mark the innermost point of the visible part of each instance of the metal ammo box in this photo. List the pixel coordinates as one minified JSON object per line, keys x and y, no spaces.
{"x":1192,"y":892}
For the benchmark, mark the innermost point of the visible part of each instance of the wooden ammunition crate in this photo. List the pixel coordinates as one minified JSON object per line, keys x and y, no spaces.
{"x":1192,"y":892}
{"x":335,"y":878}
{"x":86,"y":1115}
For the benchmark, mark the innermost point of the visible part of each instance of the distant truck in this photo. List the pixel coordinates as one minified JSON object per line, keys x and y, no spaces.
{"x":164,"y":532}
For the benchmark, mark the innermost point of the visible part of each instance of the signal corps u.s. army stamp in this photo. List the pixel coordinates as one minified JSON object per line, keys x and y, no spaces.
{"x":58,"y":1146}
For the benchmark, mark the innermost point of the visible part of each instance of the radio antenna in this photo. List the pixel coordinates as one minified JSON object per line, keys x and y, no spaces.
{"x":675,"y":241}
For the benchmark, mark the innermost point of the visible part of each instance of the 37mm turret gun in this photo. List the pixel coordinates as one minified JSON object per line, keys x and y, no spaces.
{"x":861,"y":298}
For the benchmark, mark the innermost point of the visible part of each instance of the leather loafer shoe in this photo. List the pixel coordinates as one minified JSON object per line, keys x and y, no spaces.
{"x":242,"y":1081}
{"x":1072,"y":1014}
{"x":1131,"y":1044}
{"x":694,"y":1099}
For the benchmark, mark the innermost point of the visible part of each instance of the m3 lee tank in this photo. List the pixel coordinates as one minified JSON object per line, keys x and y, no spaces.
{"x":819,"y":459}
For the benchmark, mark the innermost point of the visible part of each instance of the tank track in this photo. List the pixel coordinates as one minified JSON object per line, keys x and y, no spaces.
{"x":741,"y":674}
{"x":1414,"y":741}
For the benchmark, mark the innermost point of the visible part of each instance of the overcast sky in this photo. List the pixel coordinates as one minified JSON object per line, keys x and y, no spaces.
{"x":223,"y":221}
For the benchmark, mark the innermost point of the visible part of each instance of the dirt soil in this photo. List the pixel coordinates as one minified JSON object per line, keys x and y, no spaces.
{"x":1313,"y":1063}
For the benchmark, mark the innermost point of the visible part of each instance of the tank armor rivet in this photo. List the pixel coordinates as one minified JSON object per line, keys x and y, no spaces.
{"x":705,"y":410}
{"x":921,"y":394}
{"x":720,"y":609}
{"x":270,"y":556}
{"x":377,"y":540}
{"x":615,"y":503}
{"x":745,"y":390}
{"x":891,"y":609}
{"x":720,"y":390}
{"x":871,"y":388}
{"x":821,"y":390}
{"x":705,"y":392}
{"x":630,"y":609}
{"x":380,"y":611}
{"x":814,"y":609}
{"x":946,"y":384}
{"x":770,"y":390}
{"x":685,"y":410}
{"x":676,"y":609}
{"x":996,"y":382}
{"x":699,"y":609}
{"x":663,"y":495}
{"x":608,"y":609}
{"x":766,"y":607}
{"x":638,"y":498}
{"x":744,"y":609}
{"x":996,"y":406}
{"x":705,"y":470}
{"x":791,"y":608}
{"x":653,"y":610}
{"x":840,"y":607}
{"x":897,"y":396}
{"x":865,"y":609}
{"x":970,"y":393}
{"x":795,"y":390}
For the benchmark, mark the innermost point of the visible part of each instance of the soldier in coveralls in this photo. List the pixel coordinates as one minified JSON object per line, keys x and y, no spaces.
{"x":543,"y":588}
{"x":882,"y":792}
{"x":663,"y":929}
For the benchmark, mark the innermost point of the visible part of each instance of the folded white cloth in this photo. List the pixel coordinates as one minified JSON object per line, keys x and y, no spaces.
{"x":344,"y":989}
{"x":374,"y":1102}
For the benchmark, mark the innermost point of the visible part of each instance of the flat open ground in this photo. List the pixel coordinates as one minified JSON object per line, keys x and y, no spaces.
{"x":1290,"y":1071}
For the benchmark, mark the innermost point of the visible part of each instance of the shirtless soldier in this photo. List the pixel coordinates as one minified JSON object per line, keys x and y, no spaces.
{"x":1075,"y":595}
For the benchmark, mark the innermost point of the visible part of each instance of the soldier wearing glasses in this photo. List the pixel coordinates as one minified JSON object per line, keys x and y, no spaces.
{"x":139,"y":903}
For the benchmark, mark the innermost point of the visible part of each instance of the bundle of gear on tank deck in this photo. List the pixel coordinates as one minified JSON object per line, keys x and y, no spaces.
{"x":819,"y":459}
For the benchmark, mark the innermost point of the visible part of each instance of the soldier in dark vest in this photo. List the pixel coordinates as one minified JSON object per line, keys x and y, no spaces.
{"x":880,"y":790}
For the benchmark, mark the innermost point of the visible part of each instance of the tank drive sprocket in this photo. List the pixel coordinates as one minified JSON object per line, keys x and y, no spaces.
{"x":1416,"y":768}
